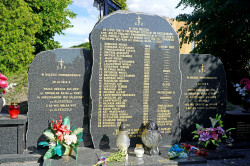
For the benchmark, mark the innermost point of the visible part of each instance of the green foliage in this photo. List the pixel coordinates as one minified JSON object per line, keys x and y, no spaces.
{"x":66,"y":121}
{"x":122,"y":3}
{"x":44,"y":144}
{"x":220,"y":28}
{"x":49,"y":135}
{"x":50,"y":153}
{"x":85,"y":45}
{"x":54,"y":16}
{"x":17,"y":34}
{"x":77,"y":131}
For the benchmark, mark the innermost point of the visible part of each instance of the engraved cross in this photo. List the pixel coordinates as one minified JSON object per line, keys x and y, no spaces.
{"x":202,"y":68}
{"x":139,"y":19}
{"x":61,"y":63}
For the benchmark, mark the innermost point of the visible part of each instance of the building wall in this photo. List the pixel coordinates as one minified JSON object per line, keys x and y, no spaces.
{"x":186,"y":47}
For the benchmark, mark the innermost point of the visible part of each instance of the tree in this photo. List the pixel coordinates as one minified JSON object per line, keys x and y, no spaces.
{"x":123,"y":4}
{"x":85,"y":45}
{"x":17,"y":34}
{"x":220,"y":28}
{"x":54,"y":16}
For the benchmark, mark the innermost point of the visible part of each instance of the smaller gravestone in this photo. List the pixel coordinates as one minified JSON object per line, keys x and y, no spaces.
{"x":203,"y":91}
{"x":58,"y":85}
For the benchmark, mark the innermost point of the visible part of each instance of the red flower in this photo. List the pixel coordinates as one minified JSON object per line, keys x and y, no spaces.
{"x":200,"y":153}
{"x":56,"y":126}
{"x":65,"y":130}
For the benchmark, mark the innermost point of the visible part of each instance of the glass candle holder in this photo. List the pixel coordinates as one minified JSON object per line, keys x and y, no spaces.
{"x":139,"y":151}
{"x":14,"y":110}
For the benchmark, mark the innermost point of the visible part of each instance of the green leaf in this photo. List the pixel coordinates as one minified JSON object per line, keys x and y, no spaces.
{"x":49,"y":135}
{"x":77,"y":131}
{"x":44,"y":144}
{"x":50,"y":153}
{"x":206,"y":143}
{"x":73,"y":128}
{"x":230,"y":129}
{"x":75,"y":149}
{"x":197,"y":125}
{"x":196,"y":136}
{"x":59,"y":150}
{"x":213,"y":141}
{"x":67,"y":148}
{"x":66,"y":121}
{"x":79,"y":136}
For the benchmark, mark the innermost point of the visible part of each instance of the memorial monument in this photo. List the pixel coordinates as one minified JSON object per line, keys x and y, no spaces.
{"x":135,"y":77}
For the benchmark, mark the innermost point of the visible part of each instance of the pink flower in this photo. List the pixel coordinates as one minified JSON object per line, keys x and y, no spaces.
{"x":3,"y":77}
{"x":3,"y":84}
{"x":248,"y":87}
{"x":215,"y":137}
{"x":244,"y":81}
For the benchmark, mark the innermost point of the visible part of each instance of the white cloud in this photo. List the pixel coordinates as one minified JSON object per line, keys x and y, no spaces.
{"x":158,"y":7}
{"x":87,"y":5}
{"x":82,"y":25}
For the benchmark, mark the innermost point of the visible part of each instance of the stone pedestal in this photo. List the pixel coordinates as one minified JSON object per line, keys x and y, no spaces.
{"x":12,"y":132}
{"x":239,"y":120}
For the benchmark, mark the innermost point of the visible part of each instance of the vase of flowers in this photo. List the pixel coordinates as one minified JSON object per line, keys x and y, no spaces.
{"x":212,"y":136}
{"x":3,"y":86}
{"x":62,"y":139}
{"x":243,"y":88}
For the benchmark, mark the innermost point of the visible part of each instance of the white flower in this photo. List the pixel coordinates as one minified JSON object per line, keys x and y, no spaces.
{"x":172,"y":154}
{"x":238,"y":89}
{"x":53,"y":143}
{"x":183,"y":155}
{"x":69,"y":139}
{"x":74,"y":138}
{"x":236,"y":85}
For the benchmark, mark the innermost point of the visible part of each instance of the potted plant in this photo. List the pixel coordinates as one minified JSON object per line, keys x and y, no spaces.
{"x":212,"y":136}
{"x":62,"y":138}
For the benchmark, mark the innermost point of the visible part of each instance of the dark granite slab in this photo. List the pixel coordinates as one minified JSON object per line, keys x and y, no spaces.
{"x":203,"y":91}
{"x":12,"y":132}
{"x":240,"y":121}
{"x":135,"y":77}
{"x":58,"y":85}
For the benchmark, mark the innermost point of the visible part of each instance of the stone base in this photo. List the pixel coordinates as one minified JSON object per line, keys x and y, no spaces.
{"x":88,"y":157}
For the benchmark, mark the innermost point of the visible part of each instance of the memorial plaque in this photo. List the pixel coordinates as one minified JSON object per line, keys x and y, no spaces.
{"x":203,"y":91}
{"x":58,"y":85}
{"x":135,"y":77}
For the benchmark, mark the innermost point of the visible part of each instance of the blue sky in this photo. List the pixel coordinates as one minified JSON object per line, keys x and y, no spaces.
{"x":87,"y":16}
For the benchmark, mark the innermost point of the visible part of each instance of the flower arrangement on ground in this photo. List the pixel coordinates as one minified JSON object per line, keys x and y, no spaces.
{"x":211,"y":135}
{"x":119,"y":156}
{"x":62,"y":139}
{"x":178,"y":151}
{"x":243,"y":87}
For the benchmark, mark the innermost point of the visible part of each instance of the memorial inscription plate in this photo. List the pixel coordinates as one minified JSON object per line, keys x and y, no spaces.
{"x":135,"y":77}
{"x":57,"y":84}
{"x":203,"y":91}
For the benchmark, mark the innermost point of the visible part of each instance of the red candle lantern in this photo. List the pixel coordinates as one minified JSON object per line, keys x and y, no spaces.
{"x":14,"y":110}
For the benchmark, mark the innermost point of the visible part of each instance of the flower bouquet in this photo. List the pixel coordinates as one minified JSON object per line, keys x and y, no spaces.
{"x":243,"y":87}
{"x":211,"y":135}
{"x":62,"y":139}
{"x":178,"y":151}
